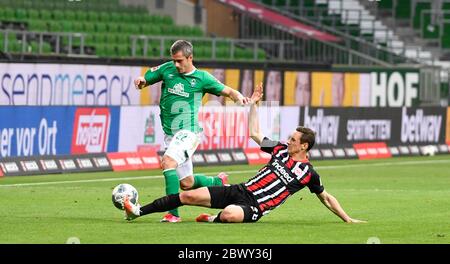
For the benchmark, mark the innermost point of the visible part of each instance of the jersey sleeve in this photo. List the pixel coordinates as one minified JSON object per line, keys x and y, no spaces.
{"x":271,"y":146}
{"x":212,"y":85}
{"x":315,"y":184}
{"x":155,"y":74}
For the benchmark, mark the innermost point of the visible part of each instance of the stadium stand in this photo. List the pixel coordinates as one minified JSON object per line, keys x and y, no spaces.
{"x":405,"y":32}
{"x":105,"y":29}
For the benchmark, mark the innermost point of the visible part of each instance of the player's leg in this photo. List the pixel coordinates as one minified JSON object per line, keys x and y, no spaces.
{"x":180,"y":148}
{"x":198,"y":197}
{"x":169,"y":166}
{"x":188,"y":182}
{"x":232,"y":214}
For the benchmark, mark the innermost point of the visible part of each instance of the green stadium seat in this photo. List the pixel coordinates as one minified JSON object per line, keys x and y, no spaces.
{"x":45,"y":14}
{"x":89,"y":27}
{"x":100,"y":50}
{"x":403,"y":9}
{"x":104,"y":17}
{"x":59,"y":15}
{"x":116,"y":17}
{"x":123,"y":39}
{"x":37,"y":25}
{"x":81,"y":15}
{"x":114,"y":27}
{"x":101,"y":38}
{"x":151,"y":29}
{"x":445,"y":40}
{"x":70,"y":15}
{"x":429,"y":30}
{"x":124,"y":50}
{"x":67,"y":26}
{"x":93,"y":16}
{"x":420,"y":6}
{"x":20,"y":14}
{"x":101,"y":27}
{"x":89,"y":40}
{"x":222,"y":52}
{"x":33,"y":14}
{"x":111,"y":39}
{"x":8,"y":14}
{"x":55,"y":26}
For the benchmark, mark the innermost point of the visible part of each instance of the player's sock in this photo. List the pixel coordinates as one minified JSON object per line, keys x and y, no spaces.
{"x":172,"y":186}
{"x":201,"y":180}
{"x":217,"y":219}
{"x":162,"y":204}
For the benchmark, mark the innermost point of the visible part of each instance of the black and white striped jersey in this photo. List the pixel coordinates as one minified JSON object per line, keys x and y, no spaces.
{"x":281,"y":177}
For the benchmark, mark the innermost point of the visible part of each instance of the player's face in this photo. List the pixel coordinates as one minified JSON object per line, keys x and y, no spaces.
{"x":294,"y":144}
{"x":183,"y":64}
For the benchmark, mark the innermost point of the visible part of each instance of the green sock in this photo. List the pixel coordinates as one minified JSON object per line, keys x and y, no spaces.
{"x":172,"y":185}
{"x":201,"y":180}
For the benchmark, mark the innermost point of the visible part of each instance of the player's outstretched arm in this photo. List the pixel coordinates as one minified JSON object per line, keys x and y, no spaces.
{"x":235,"y":95}
{"x":253,"y":120}
{"x":332,"y":203}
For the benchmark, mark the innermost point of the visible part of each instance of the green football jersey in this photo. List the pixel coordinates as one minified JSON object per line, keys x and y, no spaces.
{"x":181,"y":95}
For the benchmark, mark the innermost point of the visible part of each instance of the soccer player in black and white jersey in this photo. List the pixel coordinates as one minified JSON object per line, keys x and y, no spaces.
{"x":287,"y":172}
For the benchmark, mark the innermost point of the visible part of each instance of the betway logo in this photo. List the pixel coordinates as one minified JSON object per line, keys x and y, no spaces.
{"x":91,"y":130}
{"x":326,"y":127}
{"x":420,"y":128}
{"x":280,"y":171}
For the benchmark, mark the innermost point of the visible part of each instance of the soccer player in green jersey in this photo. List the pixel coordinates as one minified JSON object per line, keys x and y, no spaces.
{"x":182,"y":90}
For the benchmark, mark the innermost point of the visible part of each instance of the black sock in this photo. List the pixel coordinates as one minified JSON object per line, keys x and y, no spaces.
{"x":163,"y":204}
{"x":217,"y":219}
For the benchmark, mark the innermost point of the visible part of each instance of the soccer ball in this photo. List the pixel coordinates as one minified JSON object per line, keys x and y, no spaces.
{"x":120,"y":191}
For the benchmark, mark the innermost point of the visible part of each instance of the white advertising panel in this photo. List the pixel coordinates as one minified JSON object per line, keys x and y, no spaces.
{"x":224,"y":127}
{"x":65,"y":84}
{"x":140,"y":128}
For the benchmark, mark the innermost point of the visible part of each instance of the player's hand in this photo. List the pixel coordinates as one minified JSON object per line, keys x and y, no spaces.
{"x":244,"y":100}
{"x":139,"y":82}
{"x":257,"y":94}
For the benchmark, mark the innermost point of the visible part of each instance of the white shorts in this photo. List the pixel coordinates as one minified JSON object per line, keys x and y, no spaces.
{"x":181,"y":147}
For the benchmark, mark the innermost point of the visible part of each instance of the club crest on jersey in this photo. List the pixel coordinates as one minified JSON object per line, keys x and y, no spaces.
{"x":193,"y":82}
{"x":178,"y":89}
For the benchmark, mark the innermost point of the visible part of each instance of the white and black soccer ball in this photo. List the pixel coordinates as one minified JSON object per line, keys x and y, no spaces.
{"x":121,"y":190}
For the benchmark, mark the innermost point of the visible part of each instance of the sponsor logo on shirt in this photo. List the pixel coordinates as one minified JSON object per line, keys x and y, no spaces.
{"x":154,"y":68}
{"x":178,"y":89}
{"x":280,"y":171}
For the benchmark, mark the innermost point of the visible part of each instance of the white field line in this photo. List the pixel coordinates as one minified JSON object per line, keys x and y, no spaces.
{"x":318,"y":168}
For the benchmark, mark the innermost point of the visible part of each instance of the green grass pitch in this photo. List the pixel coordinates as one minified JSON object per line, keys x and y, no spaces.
{"x":404,"y":200}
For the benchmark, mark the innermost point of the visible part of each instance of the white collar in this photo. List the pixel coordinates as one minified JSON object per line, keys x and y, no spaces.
{"x":191,"y":72}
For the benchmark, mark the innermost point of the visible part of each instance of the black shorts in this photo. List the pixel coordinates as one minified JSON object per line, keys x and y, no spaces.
{"x":236,"y":194}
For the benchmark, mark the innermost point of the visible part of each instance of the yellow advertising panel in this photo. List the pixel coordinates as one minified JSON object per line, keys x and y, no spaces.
{"x":205,"y":98}
{"x":297,"y":88}
{"x":321,"y":89}
{"x":351,"y":91}
{"x":232,"y":79}
{"x":289,"y":87}
{"x":259,"y":77}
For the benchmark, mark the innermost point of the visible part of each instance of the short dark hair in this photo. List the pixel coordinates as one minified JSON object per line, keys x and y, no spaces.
{"x":308,"y":136}
{"x":182,"y":45}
